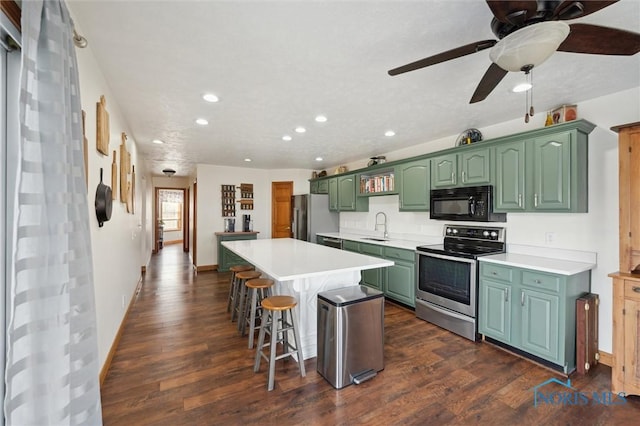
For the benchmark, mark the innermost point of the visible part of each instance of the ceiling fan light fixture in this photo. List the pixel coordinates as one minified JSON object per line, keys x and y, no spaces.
{"x":521,"y":87}
{"x":529,"y":46}
{"x":169,"y":172}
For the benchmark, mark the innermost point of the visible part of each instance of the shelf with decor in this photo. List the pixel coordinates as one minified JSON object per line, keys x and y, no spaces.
{"x":228,"y":199}
{"x":246,"y":196}
{"x":378,"y":182}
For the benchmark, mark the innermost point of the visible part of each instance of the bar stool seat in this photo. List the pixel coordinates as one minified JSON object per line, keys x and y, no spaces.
{"x":275,"y":310}
{"x":241,"y":294}
{"x":233,"y":283}
{"x":259,"y":289}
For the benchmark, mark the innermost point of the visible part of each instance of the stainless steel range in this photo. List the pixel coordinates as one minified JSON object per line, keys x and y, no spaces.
{"x":447,"y":276}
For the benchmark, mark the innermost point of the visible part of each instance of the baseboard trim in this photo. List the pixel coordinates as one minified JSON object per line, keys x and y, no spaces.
{"x":168,"y":243}
{"x":606,"y":358}
{"x":203,"y":268}
{"x":116,"y":339}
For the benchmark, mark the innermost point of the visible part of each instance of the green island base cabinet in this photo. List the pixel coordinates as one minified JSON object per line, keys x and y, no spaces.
{"x":531,"y":311}
{"x":397,"y":281}
{"x":227,"y":258}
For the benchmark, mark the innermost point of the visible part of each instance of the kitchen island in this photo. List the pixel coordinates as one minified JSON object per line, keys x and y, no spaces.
{"x":302,"y":270}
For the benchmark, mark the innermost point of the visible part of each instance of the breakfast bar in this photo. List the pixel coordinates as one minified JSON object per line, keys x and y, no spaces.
{"x":302,"y":269}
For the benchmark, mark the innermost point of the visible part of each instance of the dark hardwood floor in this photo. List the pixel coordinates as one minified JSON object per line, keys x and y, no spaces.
{"x":181,"y":362}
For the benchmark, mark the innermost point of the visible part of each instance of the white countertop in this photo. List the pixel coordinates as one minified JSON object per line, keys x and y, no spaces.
{"x":289,"y":259}
{"x":391,"y":242}
{"x":544,"y":264}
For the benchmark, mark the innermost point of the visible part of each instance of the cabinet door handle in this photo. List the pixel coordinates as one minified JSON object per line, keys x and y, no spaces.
{"x":522,"y":298}
{"x":519,"y":200}
{"x":453,"y":177}
{"x":636,"y":289}
{"x":464,"y":178}
{"x":535,"y":200}
{"x":506,"y":295}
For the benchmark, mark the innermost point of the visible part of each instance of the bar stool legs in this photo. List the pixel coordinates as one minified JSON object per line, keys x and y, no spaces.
{"x":259,"y":289}
{"x":233,"y":283}
{"x":240,"y":294}
{"x":275,"y":310}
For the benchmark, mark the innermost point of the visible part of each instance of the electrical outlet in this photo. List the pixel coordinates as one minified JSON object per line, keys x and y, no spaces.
{"x":550,"y":237}
{"x":124,"y":301}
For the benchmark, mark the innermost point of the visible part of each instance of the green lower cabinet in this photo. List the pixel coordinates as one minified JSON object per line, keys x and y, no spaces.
{"x":227,"y":258}
{"x":540,"y":317}
{"x":397,"y":281}
{"x":495,"y":315}
{"x":531,"y":311}
{"x":400,"y":279}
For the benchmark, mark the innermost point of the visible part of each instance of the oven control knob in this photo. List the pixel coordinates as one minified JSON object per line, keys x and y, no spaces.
{"x":448,"y":230}
{"x":494,"y":234}
{"x":455,"y":231}
{"x":485,"y":234}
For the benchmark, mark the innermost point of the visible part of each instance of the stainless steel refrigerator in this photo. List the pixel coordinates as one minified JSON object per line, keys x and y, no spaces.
{"x":310,"y":215}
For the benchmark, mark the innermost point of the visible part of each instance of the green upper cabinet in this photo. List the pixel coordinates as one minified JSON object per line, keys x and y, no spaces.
{"x":333,"y":194}
{"x":414,"y":185}
{"x":319,"y":186}
{"x":342,"y":195}
{"x":444,"y":170}
{"x":551,"y":165}
{"x":323,"y":186}
{"x":545,"y":173}
{"x":510,"y":176}
{"x":467,"y":168}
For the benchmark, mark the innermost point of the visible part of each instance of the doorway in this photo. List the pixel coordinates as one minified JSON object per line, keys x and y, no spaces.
{"x":281,"y":193}
{"x":171,"y":217}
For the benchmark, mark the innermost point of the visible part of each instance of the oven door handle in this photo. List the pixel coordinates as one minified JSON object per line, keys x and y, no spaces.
{"x":445,"y":257}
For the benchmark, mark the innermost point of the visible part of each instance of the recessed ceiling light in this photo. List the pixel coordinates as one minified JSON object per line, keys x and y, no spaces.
{"x":522,"y":87}
{"x":300,"y":129}
{"x":389,"y":133}
{"x":248,"y":160}
{"x":210,"y":97}
{"x":318,"y":158}
{"x":202,"y":121}
{"x":321,"y":119}
{"x":158,"y":141}
{"x":286,"y":138}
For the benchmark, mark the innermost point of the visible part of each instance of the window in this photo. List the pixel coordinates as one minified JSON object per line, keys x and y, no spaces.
{"x":171,"y":201}
{"x":171,"y":216}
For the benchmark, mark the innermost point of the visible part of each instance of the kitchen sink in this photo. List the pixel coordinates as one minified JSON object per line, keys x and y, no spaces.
{"x":375,"y":239}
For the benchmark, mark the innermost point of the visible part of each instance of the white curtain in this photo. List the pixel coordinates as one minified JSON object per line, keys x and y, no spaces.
{"x":52,"y":371}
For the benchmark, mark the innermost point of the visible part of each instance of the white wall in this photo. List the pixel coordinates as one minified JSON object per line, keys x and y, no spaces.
{"x":120,"y":247}
{"x":595,"y":231}
{"x":210,"y":220}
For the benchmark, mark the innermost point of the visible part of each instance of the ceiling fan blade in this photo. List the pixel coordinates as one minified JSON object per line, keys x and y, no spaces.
{"x":490,"y":80}
{"x":597,"y":40}
{"x":578,"y":9}
{"x":513,"y":12}
{"x":444,"y":56}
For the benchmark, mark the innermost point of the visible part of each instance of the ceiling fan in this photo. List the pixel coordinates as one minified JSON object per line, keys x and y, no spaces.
{"x":529,"y":32}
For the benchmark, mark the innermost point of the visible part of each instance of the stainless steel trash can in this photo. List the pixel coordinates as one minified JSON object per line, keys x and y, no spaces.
{"x":350,"y":334}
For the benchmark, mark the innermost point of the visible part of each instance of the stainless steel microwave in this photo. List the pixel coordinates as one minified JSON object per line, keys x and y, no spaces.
{"x":472,"y":203}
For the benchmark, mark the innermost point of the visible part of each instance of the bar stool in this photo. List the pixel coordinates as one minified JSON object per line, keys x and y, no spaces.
{"x":240,"y":294}
{"x":233,"y":282}
{"x":274,"y":316}
{"x":259,"y":289}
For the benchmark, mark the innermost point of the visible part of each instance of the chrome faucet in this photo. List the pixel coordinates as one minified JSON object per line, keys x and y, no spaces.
{"x":386,"y":234}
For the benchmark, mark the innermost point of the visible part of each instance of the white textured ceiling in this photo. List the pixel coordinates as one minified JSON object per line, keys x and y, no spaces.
{"x":276,"y":65}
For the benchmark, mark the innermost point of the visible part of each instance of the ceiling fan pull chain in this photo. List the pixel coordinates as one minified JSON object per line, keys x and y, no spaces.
{"x":531,"y":100}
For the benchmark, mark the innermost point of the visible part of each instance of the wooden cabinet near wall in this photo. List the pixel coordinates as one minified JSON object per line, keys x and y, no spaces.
{"x":625,"y":372}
